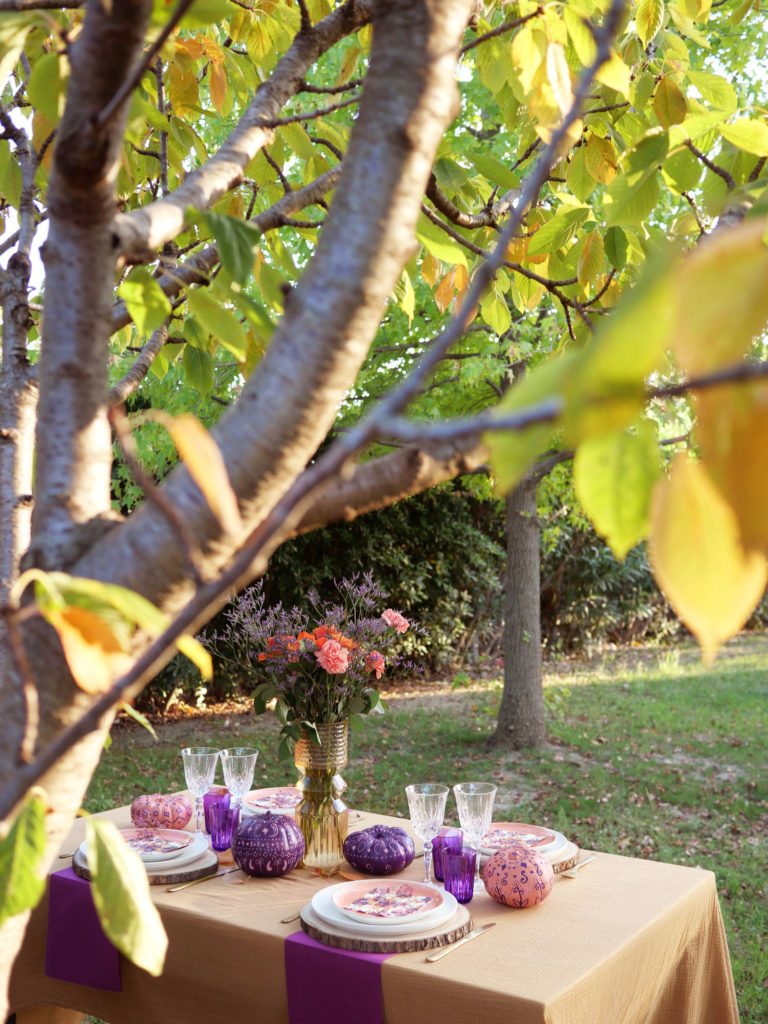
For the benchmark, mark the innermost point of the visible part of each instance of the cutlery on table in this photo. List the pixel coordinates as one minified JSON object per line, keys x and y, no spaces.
{"x":455,"y":945}
{"x":196,"y":881}
{"x":572,"y":872}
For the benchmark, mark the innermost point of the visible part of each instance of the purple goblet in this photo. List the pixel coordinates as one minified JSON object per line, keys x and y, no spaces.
{"x":215,"y":795}
{"x":446,"y":839}
{"x":223,"y":821}
{"x":459,"y":872}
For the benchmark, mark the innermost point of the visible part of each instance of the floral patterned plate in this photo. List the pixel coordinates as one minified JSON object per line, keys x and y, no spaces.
{"x":502,"y":834}
{"x":278,"y":800}
{"x":154,"y":844}
{"x":380,"y":902}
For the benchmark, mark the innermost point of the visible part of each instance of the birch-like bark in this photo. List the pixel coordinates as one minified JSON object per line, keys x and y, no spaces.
{"x":74,"y":453}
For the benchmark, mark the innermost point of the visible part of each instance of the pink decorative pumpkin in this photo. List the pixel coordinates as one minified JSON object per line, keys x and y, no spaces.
{"x":158,"y":811}
{"x":518,"y":876}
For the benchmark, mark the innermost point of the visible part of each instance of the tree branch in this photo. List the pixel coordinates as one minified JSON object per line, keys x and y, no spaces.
{"x":198,"y":268}
{"x":721,"y":172}
{"x":139,"y":233}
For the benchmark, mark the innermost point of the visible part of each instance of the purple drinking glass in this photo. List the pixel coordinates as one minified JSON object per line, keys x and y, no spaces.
{"x":459,"y":872}
{"x":215,"y":795}
{"x":446,"y":839}
{"x":224,"y":821}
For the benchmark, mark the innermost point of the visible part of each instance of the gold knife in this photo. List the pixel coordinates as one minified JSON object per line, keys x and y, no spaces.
{"x":455,"y":945}
{"x":195,"y":881}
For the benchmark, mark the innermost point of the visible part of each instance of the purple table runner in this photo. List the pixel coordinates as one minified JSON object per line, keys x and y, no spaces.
{"x":327,"y":985}
{"x":77,"y":950}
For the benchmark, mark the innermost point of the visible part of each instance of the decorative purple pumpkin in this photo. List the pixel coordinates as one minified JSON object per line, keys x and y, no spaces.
{"x":154,"y":810}
{"x":379,"y":850}
{"x":267,"y":845}
{"x":518,"y":876}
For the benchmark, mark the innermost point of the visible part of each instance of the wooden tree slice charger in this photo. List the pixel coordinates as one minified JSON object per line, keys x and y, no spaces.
{"x":454,"y":928}
{"x":206,"y":864}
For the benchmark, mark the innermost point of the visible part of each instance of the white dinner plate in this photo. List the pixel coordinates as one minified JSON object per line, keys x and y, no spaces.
{"x":550,"y":849}
{"x":277,"y":800}
{"x":325,"y":908}
{"x":387,"y":901}
{"x":191,"y":852}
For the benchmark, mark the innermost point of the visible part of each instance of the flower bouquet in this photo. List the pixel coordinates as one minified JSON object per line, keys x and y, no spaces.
{"x":317,"y":668}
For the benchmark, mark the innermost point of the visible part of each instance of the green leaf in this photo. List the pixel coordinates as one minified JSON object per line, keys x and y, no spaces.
{"x":43,"y":86}
{"x":204,"y":13}
{"x":683,"y":170}
{"x":615,"y":74}
{"x":748,"y":134}
{"x":147,"y":303}
{"x":581,"y":36}
{"x":715,"y":90}
{"x":613,"y":476}
{"x":120,"y":892}
{"x":649,"y":17}
{"x":495,"y":311}
{"x":236,"y":240}
{"x":218,"y":321}
{"x":137,"y":716}
{"x":514,"y":451}
{"x":13,"y":32}
{"x":198,"y":368}
{"x":441,"y":245}
{"x":495,"y":171}
{"x":616,"y":247}
{"x":630,"y":198}
{"x":20,"y":854}
{"x":578,"y":177}
{"x":605,"y":387}
{"x":557,"y":231}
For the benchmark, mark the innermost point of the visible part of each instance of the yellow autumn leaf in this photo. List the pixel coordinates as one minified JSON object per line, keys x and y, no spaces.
{"x":732,"y":425}
{"x":697,"y":557}
{"x":559,"y":77}
{"x":444,"y":292}
{"x":92,"y":651}
{"x":430,"y":268}
{"x":203,"y":459}
{"x":218,"y":84}
{"x":713,"y":327}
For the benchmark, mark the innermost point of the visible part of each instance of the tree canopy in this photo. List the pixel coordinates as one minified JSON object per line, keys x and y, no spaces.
{"x":364,"y":214}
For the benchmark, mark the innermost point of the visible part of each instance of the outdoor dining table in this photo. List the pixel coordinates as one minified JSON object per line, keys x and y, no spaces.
{"x":627,"y":941}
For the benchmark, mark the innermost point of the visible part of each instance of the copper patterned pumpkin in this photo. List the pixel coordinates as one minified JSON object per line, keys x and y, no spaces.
{"x":518,"y":876}
{"x":154,"y":810}
{"x":267,"y":845}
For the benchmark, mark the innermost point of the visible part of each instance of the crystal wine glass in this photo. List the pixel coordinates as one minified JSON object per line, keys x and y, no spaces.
{"x":426,"y":804}
{"x":475,"y":803}
{"x":238,"y":764}
{"x":199,"y":769}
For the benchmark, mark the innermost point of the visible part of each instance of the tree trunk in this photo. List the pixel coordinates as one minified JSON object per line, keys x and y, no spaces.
{"x":521,"y":715}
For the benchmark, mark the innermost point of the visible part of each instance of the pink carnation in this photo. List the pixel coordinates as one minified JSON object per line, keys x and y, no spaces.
{"x":395,"y":619}
{"x":374,"y":662}
{"x":332,"y":657}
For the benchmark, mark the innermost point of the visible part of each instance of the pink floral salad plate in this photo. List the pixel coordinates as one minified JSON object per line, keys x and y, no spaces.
{"x":381,"y":902}
{"x":503,"y":834}
{"x":154,"y":844}
{"x":278,"y":800}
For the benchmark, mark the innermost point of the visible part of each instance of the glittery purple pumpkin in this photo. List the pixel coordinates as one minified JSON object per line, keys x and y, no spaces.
{"x":379,"y":850}
{"x":518,"y":876}
{"x":267,"y":845}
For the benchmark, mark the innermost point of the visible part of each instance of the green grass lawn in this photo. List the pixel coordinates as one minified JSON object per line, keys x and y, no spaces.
{"x":649,"y":754}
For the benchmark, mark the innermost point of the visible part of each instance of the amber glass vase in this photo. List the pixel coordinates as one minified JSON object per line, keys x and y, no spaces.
{"x":322,"y":815}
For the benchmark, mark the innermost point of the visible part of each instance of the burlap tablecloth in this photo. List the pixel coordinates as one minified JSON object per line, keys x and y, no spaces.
{"x":626,"y":942}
